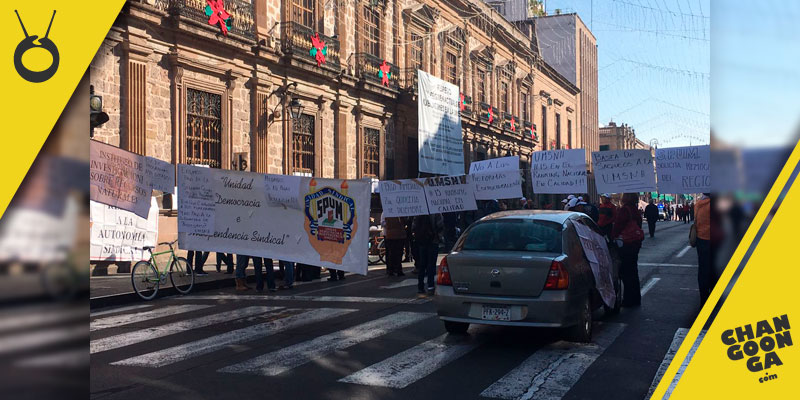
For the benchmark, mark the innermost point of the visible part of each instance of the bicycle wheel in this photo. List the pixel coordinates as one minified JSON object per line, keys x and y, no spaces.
{"x":145,"y":280}
{"x":181,"y":276}
{"x":382,"y":251}
{"x":372,"y":254}
{"x":58,"y":281}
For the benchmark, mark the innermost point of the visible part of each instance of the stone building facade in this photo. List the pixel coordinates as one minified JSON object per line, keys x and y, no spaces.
{"x":184,"y":90}
{"x":619,"y":137}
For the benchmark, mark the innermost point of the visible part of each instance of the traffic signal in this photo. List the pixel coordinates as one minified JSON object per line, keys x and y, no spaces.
{"x":96,"y":115}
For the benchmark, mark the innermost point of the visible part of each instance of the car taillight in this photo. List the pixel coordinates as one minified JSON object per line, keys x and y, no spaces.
{"x":443,"y":275}
{"x":557,"y":277}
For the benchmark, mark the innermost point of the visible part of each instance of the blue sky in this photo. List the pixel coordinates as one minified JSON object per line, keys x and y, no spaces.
{"x":654,"y":61}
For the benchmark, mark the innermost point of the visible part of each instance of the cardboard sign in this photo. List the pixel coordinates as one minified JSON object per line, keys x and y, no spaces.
{"x":120,"y":235}
{"x":450,"y":194}
{"x":195,"y":200}
{"x":283,"y":190}
{"x":441,"y":147}
{"x":596,"y":250}
{"x":403,"y":198}
{"x":496,"y":164}
{"x":497,"y":185}
{"x":684,"y":169}
{"x":117,"y":178}
{"x":624,"y":171}
{"x":559,"y":171}
{"x":160,"y":174}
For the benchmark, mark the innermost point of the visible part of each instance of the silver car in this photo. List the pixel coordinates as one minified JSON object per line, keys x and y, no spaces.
{"x":522,"y":268}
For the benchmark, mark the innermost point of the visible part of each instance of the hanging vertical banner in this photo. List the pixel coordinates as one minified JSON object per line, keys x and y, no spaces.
{"x":441,"y":147}
{"x":624,"y":171}
{"x":450,"y":194}
{"x":403,"y":198}
{"x":559,"y":171}
{"x":118,"y":178}
{"x":329,"y":229}
{"x":684,"y":169}
{"x":119,"y":235}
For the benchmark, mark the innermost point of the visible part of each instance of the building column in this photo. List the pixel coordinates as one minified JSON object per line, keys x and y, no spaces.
{"x":135,"y":89}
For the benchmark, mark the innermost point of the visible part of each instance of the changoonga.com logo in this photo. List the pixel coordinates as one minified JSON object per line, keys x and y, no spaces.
{"x":760,"y":344}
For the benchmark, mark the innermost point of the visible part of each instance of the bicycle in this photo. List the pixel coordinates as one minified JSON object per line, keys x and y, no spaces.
{"x":146,"y":278}
{"x":377,"y":250}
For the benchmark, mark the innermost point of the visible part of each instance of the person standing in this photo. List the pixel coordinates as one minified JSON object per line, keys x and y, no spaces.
{"x":394,"y":236}
{"x":427,"y":230}
{"x":706,"y":279}
{"x":590,"y":209}
{"x":651,"y":214}
{"x":241,"y":277}
{"x":606,"y":214}
{"x":197,"y":259}
{"x":336,"y":275}
{"x":628,"y":234}
{"x":288,"y":274}
{"x":227,"y":259}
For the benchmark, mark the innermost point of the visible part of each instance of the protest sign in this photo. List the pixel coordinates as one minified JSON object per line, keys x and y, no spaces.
{"x":450,"y":194}
{"x":33,"y":235}
{"x":558,"y":171}
{"x":683,"y":169}
{"x":497,"y":185}
{"x":726,"y":176}
{"x":596,"y":250}
{"x":283,"y":190}
{"x":160,"y":174}
{"x":120,"y":235}
{"x":330,"y":229}
{"x":624,"y":171}
{"x":403,"y":198}
{"x":117,"y":178}
{"x":440,"y":143}
{"x":510,"y":163}
{"x":195,"y":200}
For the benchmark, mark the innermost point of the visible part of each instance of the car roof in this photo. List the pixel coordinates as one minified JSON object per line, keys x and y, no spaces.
{"x":540,"y":215}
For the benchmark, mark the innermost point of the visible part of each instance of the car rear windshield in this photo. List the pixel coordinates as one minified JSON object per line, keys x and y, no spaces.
{"x":514,"y":235}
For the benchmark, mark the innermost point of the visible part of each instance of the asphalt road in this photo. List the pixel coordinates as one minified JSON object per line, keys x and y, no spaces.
{"x":372,"y":338}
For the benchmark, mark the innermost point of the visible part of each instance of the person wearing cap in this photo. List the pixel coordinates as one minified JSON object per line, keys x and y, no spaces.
{"x":606,"y":214}
{"x":522,"y":203}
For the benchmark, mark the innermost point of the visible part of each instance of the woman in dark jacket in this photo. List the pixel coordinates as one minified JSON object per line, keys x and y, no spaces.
{"x":627,"y":232}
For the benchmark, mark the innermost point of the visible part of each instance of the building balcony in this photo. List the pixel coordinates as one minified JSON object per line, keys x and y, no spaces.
{"x":368,"y":68}
{"x":242,"y":15}
{"x":296,"y":41}
{"x":507,"y":122}
{"x":408,"y":79}
{"x":467,"y":110}
{"x":484,"y":114}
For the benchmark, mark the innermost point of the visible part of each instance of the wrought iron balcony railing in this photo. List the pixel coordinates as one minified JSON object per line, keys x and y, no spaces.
{"x":369,"y":67}
{"x":484,"y":114}
{"x":242,"y":15}
{"x":408,"y":79}
{"x":296,"y":40}
{"x":467,"y":111}
{"x":507,"y":119}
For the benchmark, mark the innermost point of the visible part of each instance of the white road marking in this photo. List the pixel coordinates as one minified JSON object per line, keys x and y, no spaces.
{"x":118,"y":309}
{"x":552,"y":370}
{"x":404,"y":283}
{"x":683,"y":252}
{"x":680,"y":334}
{"x":415,"y":363}
{"x":339,"y":285}
{"x":667,"y":265}
{"x":274,"y":363}
{"x":76,"y":358}
{"x":345,"y":299}
{"x":649,"y":285}
{"x":125,"y":319}
{"x":42,"y":338}
{"x":217,"y":342}
{"x":129,"y":338}
{"x":42,"y":317}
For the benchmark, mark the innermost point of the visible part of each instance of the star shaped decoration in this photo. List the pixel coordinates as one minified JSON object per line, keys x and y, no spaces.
{"x":318,"y":49}
{"x":513,"y":126}
{"x":385,"y":73}
{"x":462,"y":104}
{"x":215,"y":11}
{"x":491,"y":115}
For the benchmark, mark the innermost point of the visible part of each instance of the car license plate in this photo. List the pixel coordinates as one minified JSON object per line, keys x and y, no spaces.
{"x":496,"y":313}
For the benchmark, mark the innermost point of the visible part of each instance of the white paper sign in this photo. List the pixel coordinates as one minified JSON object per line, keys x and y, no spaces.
{"x":684,"y":169}
{"x":195,"y":200}
{"x":330,"y":230}
{"x":496,"y":164}
{"x":117,"y":178}
{"x":119,"y":235}
{"x":559,"y":171}
{"x":624,"y":171}
{"x":596,"y":250}
{"x":283,"y":190}
{"x":160,"y":174}
{"x":441,"y":147}
{"x":497,"y":185}
{"x":403,"y":198}
{"x":450,"y":194}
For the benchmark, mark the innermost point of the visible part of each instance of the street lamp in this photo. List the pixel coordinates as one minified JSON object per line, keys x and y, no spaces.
{"x":295,"y":108}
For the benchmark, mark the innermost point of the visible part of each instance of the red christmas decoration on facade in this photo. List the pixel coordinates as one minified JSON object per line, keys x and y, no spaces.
{"x":318,"y":50}
{"x":385,"y":73}
{"x":491,"y":115}
{"x":513,"y":127}
{"x":461,"y":103}
{"x":215,"y":10}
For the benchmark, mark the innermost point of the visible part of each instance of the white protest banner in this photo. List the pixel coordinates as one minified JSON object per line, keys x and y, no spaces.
{"x":596,"y":250}
{"x":119,"y":235}
{"x":195,"y":200}
{"x":160,"y":174}
{"x":403,"y":198}
{"x":726,"y":175}
{"x":624,"y":171}
{"x":497,"y":185}
{"x":684,"y":169}
{"x":32,"y":235}
{"x":441,"y":147}
{"x":559,"y":171}
{"x":330,"y":230}
{"x":450,"y":194}
{"x":510,"y":163}
{"x":283,"y":190}
{"x":117,"y":178}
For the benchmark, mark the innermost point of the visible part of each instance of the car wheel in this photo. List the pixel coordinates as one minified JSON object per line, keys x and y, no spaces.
{"x":582,"y":332}
{"x":618,"y":290}
{"x":456,"y":328}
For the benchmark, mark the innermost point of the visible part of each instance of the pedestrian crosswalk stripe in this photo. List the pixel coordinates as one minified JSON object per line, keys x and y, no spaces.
{"x":274,"y":363}
{"x":43,"y":317}
{"x":415,"y":363}
{"x":344,"y":299}
{"x":208,"y":345}
{"x":404,"y":283}
{"x":552,"y":370}
{"x":118,"y":309}
{"x":125,"y":319}
{"x":684,"y":251}
{"x":129,"y":338}
{"x":42,"y":338}
{"x":74,"y":358}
